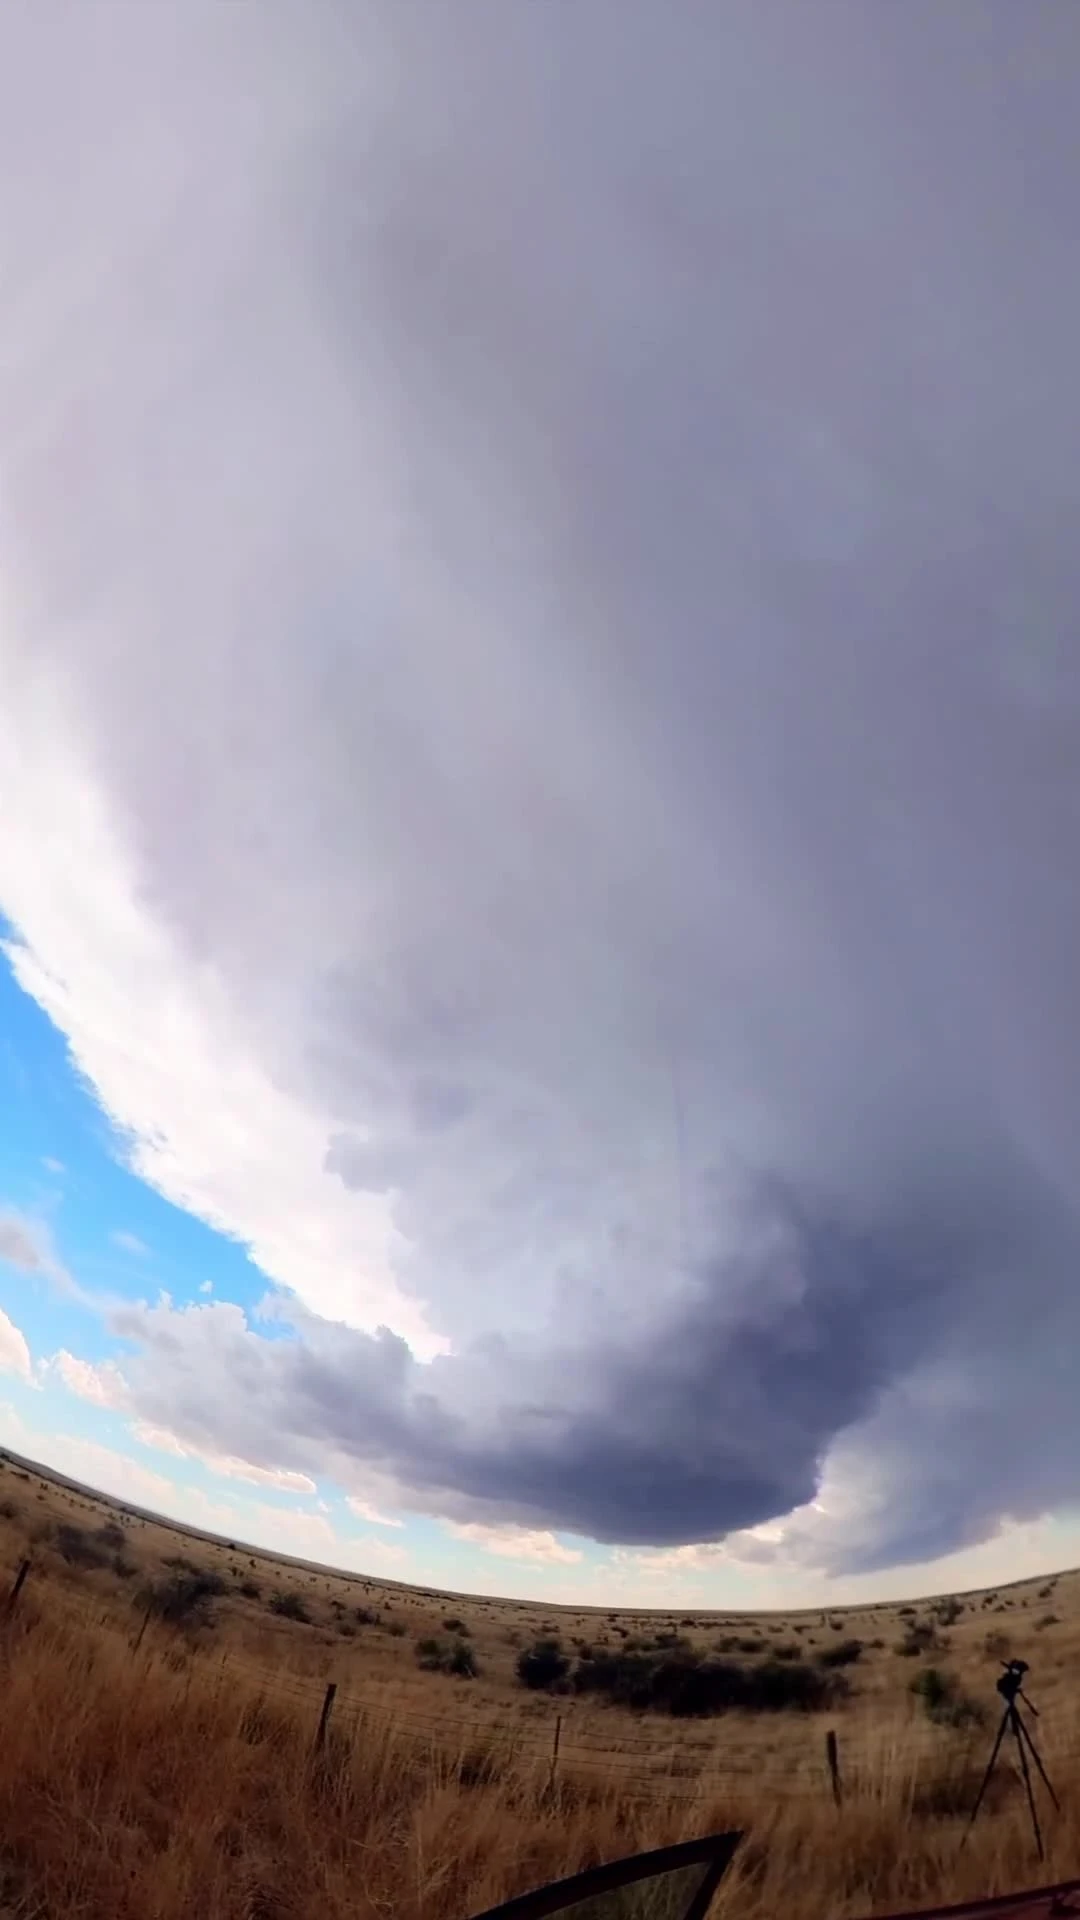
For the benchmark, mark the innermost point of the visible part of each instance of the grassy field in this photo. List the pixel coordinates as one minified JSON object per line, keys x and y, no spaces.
{"x":160,"y":1767}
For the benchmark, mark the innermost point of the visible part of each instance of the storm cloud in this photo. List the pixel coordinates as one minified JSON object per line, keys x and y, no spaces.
{"x":538,"y":551}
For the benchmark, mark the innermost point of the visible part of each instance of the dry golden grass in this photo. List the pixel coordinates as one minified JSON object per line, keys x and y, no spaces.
{"x":182,"y":1779}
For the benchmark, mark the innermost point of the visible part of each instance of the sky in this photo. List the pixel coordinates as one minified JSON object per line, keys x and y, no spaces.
{"x":539,"y":784}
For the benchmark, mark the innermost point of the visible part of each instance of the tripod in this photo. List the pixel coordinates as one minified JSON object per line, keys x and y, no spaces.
{"x":1011,"y":1687}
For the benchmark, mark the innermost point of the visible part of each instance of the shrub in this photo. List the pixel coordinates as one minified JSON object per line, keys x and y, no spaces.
{"x":463,"y":1662}
{"x":455,"y":1626}
{"x":1048,"y":1620}
{"x":921,"y":1638}
{"x":690,"y":1684}
{"x":366,"y":1616}
{"x":78,"y":1548}
{"x":544,"y":1665}
{"x":289,"y":1606}
{"x":948,"y":1610}
{"x":182,"y":1597}
{"x":844,"y":1654}
{"x":436,"y":1656}
{"x":250,"y":1589}
{"x":943,"y":1700}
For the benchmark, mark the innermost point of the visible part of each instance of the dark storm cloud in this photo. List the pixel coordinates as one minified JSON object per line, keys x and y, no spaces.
{"x":621,"y":746}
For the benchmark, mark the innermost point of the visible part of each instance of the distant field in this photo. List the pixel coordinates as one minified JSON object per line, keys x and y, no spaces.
{"x":162,"y":1692}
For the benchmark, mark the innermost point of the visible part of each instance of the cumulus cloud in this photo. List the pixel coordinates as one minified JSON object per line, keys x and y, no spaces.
{"x":14,"y":1352}
{"x":534,"y":1548}
{"x":541,"y":736}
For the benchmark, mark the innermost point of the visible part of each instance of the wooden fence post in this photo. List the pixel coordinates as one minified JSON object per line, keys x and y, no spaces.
{"x":19,"y":1583}
{"x":555,"y":1752}
{"x":137,"y":1643}
{"x":324,"y":1717}
{"x":833,"y":1758}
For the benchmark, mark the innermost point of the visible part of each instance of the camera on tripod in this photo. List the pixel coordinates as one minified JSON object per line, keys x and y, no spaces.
{"x":1012,"y":1681}
{"x":1011,"y":1688}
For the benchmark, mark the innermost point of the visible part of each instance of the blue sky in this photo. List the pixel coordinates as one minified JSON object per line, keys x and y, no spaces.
{"x":539,"y":745}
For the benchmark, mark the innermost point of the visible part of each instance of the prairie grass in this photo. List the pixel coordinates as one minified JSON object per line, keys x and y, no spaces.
{"x":153,"y":1770}
{"x":166,"y":1783}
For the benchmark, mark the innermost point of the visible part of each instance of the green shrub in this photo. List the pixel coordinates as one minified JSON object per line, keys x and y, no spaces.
{"x":78,"y":1548}
{"x":289,"y":1606}
{"x":544,"y":1665}
{"x":690,"y":1684}
{"x":437,"y":1656}
{"x":921,"y":1638}
{"x":182,"y":1597}
{"x":946,"y":1705}
{"x":844,"y":1654}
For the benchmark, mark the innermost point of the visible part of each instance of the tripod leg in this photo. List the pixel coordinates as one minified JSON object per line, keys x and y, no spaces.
{"x":989,"y":1771}
{"x":1018,"y":1732}
{"x":1034,"y":1752}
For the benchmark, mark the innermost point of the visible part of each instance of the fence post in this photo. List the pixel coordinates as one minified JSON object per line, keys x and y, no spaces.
{"x":833,"y":1758}
{"x":555,"y":1752}
{"x":145,"y":1622}
{"x":324,"y":1717}
{"x":19,"y":1583}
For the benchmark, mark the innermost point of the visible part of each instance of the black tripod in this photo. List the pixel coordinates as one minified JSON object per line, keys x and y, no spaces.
{"x":1011,"y":1687}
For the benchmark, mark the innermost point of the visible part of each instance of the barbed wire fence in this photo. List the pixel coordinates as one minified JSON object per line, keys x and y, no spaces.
{"x":645,"y":1764}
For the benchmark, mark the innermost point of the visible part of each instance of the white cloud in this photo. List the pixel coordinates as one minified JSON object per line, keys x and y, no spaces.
{"x":366,"y":1510}
{"x":535,"y":1546}
{"x":128,"y":1242}
{"x":99,"y":1382}
{"x":206,"y":1286}
{"x":229,"y":1466}
{"x":52,"y":1166}
{"x":14,"y":1352}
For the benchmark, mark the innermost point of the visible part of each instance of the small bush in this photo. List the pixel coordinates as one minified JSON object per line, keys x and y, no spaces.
{"x":1048,"y":1620}
{"x":289,"y":1606}
{"x":397,"y":1629}
{"x":544,"y":1665}
{"x":182,"y":1598}
{"x":458,"y":1658}
{"x":366,"y":1616}
{"x":78,"y":1548}
{"x":946,"y":1705}
{"x":844,"y":1654}
{"x":250,"y":1589}
{"x":921,"y":1638}
{"x":455,"y":1626}
{"x":948,"y":1610}
{"x":463,"y":1662}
